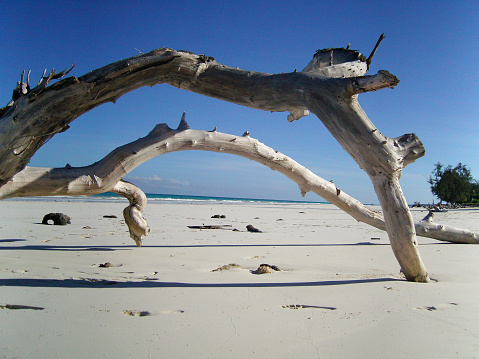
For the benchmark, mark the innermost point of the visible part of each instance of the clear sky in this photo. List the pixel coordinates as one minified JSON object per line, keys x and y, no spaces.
{"x":431,"y":46}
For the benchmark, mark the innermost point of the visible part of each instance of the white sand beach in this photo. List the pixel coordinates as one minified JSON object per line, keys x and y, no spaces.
{"x":339,"y":293}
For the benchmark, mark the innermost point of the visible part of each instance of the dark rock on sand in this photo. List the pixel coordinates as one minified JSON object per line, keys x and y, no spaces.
{"x":250,"y":228}
{"x":57,"y":218}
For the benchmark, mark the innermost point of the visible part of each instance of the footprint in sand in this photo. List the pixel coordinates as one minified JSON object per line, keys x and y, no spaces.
{"x":303,"y":306}
{"x":19,"y":271}
{"x":227,"y":267}
{"x":136,"y":313}
{"x":178,"y":311}
{"x":145,"y":313}
{"x":437,"y":307}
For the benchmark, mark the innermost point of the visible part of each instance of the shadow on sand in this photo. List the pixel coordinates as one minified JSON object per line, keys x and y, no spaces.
{"x":99,"y":283}
{"x":46,"y":247}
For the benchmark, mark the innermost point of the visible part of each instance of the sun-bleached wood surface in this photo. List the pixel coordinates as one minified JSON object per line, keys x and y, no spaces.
{"x":106,"y":175}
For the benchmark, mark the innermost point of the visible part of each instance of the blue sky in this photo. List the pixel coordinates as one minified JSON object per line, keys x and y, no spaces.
{"x":431,"y":46}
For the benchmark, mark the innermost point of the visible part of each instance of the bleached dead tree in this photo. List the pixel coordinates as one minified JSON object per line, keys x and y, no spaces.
{"x":106,"y":175}
{"x":328,"y":87}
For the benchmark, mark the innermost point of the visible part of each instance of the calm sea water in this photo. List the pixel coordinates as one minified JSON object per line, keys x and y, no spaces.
{"x":176,"y":198}
{"x":158,"y":198}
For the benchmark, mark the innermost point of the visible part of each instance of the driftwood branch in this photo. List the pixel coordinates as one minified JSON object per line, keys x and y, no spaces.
{"x":133,"y":213}
{"x":441,"y":232}
{"x":327,"y":87}
{"x":106,"y":175}
{"x":370,"y":58}
{"x":55,"y":106}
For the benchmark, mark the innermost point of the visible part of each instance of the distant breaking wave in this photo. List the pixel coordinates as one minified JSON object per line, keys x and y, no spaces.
{"x":158,"y":198}
{"x":176,"y":198}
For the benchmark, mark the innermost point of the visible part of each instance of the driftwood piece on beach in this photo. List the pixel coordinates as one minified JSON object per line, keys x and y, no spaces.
{"x":133,"y":213}
{"x":427,"y":228}
{"x":429,"y":218}
{"x":328,"y":87}
{"x":211,"y":226}
{"x":105,"y":175}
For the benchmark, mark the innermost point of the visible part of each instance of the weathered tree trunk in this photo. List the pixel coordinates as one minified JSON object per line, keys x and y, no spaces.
{"x":328,"y":87}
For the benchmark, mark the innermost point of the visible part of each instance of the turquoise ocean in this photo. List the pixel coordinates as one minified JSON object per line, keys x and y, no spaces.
{"x":159,"y":198}
{"x":176,"y":198}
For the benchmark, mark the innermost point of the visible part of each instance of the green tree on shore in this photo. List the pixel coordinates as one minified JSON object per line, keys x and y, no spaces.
{"x":454,"y":185}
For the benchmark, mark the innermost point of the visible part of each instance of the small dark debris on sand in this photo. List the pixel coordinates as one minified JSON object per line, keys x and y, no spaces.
{"x":105,"y":265}
{"x":228,"y":267}
{"x":213,"y":226}
{"x":218,"y":216}
{"x":58,"y":219}
{"x":86,"y":227}
{"x":136,"y":313}
{"x":266,"y":268}
{"x":109,"y":216}
{"x":250,"y":228}
{"x":302,"y":306}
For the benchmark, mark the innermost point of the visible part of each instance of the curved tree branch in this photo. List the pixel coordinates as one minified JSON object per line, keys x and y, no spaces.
{"x":55,"y":106}
{"x":105,"y":175}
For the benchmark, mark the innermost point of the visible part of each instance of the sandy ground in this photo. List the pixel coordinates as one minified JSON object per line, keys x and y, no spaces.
{"x":339,"y":293}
